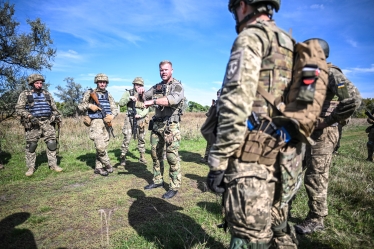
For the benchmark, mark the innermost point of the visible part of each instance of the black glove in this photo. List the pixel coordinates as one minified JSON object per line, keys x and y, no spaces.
{"x":215,"y":181}
{"x":345,"y":109}
{"x":34,"y":121}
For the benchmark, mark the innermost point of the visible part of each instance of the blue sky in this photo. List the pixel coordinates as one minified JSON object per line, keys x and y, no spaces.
{"x":125,"y":39}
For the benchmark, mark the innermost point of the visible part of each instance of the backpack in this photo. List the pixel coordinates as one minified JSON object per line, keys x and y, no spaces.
{"x":301,"y":103}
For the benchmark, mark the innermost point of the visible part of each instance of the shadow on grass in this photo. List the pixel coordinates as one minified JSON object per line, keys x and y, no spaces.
{"x":188,"y":156}
{"x":201,"y":181}
{"x":5,"y":157}
{"x":307,"y":242}
{"x":89,"y":158}
{"x":160,"y":223}
{"x":12,"y":237}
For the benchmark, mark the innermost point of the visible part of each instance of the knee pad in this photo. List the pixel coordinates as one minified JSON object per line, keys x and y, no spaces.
{"x":52,"y":145}
{"x":31,"y":146}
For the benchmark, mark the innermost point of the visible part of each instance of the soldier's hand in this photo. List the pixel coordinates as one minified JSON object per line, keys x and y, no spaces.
{"x":94,"y":108}
{"x":215,"y":181}
{"x":34,"y":120}
{"x":108,"y":118}
{"x":133,"y":98}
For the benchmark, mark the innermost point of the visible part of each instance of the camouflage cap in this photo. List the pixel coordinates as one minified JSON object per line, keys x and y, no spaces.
{"x":101,"y":77}
{"x":139,"y":81}
{"x":35,"y":77}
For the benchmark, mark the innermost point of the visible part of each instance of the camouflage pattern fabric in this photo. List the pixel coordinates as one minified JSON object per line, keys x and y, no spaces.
{"x":98,"y":132}
{"x":318,"y":156}
{"x":44,"y":130}
{"x":127,"y":135}
{"x":252,"y":199}
{"x":172,"y":156}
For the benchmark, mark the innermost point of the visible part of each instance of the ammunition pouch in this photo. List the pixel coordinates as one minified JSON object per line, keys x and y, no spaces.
{"x":87,"y":121}
{"x":31,"y":146}
{"x":290,"y":162}
{"x":260,"y":147}
{"x":168,"y":136}
{"x":150,"y":126}
{"x":51,"y":145}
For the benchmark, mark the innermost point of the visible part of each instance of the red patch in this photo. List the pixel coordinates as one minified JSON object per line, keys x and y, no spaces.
{"x":308,"y":81}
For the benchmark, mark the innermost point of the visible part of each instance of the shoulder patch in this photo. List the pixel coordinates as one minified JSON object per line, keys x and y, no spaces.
{"x":341,"y":85}
{"x":233,"y":67}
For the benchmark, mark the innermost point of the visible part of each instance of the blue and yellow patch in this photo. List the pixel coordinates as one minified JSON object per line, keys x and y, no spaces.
{"x":341,"y":85}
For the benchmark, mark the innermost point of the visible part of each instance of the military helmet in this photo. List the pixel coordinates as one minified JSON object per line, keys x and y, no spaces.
{"x":101,"y":77}
{"x":324,"y":45}
{"x":275,"y":3}
{"x":139,"y":81}
{"x":34,"y":77}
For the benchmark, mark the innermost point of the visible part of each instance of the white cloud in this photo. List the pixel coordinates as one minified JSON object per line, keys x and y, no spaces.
{"x":317,"y":6}
{"x":352,"y":43}
{"x":355,"y":70}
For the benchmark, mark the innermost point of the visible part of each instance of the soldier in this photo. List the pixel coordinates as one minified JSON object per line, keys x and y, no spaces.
{"x":370,"y":143}
{"x":101,"y":110}
{"x":167,"y":98}
{"x":251,"y":188}
{"x":39,"y":114}
{"x":342,"y":99}
{"x":133,"y":99}
{"x":211,"y":111}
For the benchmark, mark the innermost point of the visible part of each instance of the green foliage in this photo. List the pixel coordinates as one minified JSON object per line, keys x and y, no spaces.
{"x":196,"y":107}
{"x":20,"y":52}
{"x":70,"y":97}
{"x":367,"y":104}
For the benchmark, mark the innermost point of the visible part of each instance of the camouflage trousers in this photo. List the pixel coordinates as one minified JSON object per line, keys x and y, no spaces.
{"x":127,"y":135}
{"x":207,"y":150}
{"x":46,"y":131}
{"x":318,"y":160}
{"x":170,"y":136}
{"x":370,"y":143}
{"x":100,"y":135}
{"x":252,"y":203}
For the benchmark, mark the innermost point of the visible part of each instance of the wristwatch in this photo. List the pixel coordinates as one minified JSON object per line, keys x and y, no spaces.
{"x":154,"y":102}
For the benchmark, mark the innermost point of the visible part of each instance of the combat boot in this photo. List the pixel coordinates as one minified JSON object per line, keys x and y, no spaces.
{"x":101,"y":171}
{"x":310,"y":225}
{"x":123,"y":161}
{"x":109,"y":168}
{"x":30,"y":172}
{"x":204,"y":159}
{"x":142,"y":159}
{"x":56,"y":168}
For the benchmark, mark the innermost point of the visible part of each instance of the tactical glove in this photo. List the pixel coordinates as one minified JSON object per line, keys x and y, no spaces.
{"x":34,"y":121}
{"x":345,"y":109}
{"x":108,"y":118}
{"x":94,"y":108}
{"x":215,"y":181}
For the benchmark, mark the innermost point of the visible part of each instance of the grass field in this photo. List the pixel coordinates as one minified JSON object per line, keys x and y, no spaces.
{"x":78,"y":209}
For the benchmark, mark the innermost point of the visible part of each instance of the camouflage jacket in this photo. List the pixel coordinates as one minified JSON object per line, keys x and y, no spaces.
{"x":139,"y":104}
{"x":83,"y":106}
{"x":246,"y":69}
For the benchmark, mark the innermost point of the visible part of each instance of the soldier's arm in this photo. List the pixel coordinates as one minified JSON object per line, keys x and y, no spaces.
{"x":148,"y":94}
{"x":124,"y":99}
{"x":83,"y":106}
{"x":176,"y":94}
{"x":113,"y":106}
{"x":239,"y":91}
{"x":21,"y":106}
{"x":55,"y":111}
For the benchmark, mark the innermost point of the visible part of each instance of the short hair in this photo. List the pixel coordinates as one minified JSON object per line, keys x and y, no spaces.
{"x":165,"y":62}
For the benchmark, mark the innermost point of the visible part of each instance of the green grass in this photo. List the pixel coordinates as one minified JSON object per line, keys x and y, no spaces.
{"x":76,"y":208}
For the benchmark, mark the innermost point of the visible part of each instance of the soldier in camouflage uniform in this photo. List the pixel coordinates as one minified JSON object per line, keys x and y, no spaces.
{"x":39,"y":114}
{"x":167,"y":98}
{"x":210,"y":112}
{"x":132,"y":98}
{"x":253,"y":210}
{"x":99,"y":125}
{"x":342,"y":99}
{"x":370,"y":143}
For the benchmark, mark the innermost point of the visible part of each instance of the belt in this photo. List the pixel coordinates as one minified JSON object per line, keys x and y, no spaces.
{"x":161,"y":119}
{"x":43,"y":118}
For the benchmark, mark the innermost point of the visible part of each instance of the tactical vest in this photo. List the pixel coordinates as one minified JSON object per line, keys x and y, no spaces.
{"x":168,"y":112}
{"x":276,"y":68}
{"x":104,"y":102}
{"x":39,"y":104}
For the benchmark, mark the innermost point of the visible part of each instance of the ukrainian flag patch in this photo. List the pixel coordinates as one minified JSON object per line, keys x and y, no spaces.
{"x":341,"y":85}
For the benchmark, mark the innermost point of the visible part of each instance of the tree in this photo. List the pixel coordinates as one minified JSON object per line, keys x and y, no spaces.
{"x":196,"y":107}
{"x":70,"y":96}
{"x":20,"y":53}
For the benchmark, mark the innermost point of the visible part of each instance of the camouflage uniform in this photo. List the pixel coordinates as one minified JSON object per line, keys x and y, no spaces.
{"x":318,"y":157}
{"x":42,"y":128}
{"x":127,"y":127}
{"x":166,"y":131}
{"x":252,"y":199}
{"x":370,"y":143}
{"x":208,"y":145}
{"x":98,"y":130}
